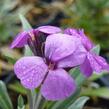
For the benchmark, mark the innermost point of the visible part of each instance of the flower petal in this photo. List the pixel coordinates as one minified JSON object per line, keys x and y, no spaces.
{"x":80,"y":34}
{"x":72,"y":31}
{"x":49,"y":29}
{"x":86,"y":41}
{"x":102,"y":62}
{"x":31,"y":71}
{"x":20,"y":40}
{"x":97,"y":63}
{"x":58,"y":85}
{"x":74,"y":59}
{"x":86,"y":68}
{"x":58,"y":46}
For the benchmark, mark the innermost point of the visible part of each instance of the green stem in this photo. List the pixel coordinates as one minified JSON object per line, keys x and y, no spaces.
{"x":34,"y":97}
{"x":31,"y":94}
{"x":39,"y":98}
{"x":30,"y":100}
{"x":36,"y":101}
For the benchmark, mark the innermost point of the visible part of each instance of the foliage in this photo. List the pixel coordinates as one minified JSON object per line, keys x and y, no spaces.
{"x":79,"y":103}
{"x":5,"y":101}
{"x":21,"y":102}
{"x":102,"y":92}
{"x":8,"y":18}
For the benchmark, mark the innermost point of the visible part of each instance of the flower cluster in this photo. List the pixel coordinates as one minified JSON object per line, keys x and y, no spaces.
{"x":55,"y":51}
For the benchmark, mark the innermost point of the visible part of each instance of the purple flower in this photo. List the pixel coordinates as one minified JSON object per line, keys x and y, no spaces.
{"x":92,"y":62}
{"x":61,"y":52}
{"x":23,"y":37}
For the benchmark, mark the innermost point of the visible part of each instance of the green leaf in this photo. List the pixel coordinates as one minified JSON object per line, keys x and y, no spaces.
{"x":17,"y":87}
{"x":10,"y":59}
{"x":80,"y":80}
{"x":27,"y":51}
{"x":79,"y":103}
{"x":99,"y":92}
{"x":96,"y":49}
{"x":74,"y":72}
{"x":20,"y":103}
{"x":26,"y":27}
{"x":25,"y":24}
{"x":78,"y":76}
{"x":5,"y":101}
{"x":96,"y":76}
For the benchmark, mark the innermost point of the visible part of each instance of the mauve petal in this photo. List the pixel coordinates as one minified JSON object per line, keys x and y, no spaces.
{"x":58,"y":85}
{"x":76,"y":58}
{"x":80,"y":34}
{"x":97,"y":63}
{"x":72,"y":31}
{"x":49,"y":29}
{"x":102,"y":62}
{"x":86,"y":68}
{"x":86,"y":41}
{"x":58,"y":46}
{"x":31,"y":71}
{"x":20,"y":40}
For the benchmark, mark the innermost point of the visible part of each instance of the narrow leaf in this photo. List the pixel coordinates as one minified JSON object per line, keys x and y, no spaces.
{"x":20,"y":103}
{"x":96,"y":76}
{"x":10,"y":60}
{"x":74,"y":72}
{"x":26,"y":27}
{"x":5,"y":101}
{"x":102,"y":92}
{"x":79,"y":103}
{"x":17,"y":87}
{"x":25,"y":24}
{"x":96,"y":49}
{"x":78,"y":76}
{"x":27,"y":51}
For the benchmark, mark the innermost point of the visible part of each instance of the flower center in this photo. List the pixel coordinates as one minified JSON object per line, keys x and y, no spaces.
{"x":51,"y":66}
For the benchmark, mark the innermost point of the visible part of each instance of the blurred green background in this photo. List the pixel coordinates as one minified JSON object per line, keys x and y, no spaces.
{"x":91,"y":15}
